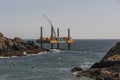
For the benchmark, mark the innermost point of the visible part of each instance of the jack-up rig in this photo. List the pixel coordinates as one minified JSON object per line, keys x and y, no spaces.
{"x":54,"y":39}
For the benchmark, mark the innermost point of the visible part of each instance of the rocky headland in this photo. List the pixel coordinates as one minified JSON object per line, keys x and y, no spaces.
{"x":106,"y":69}
{"x":17,"y":47}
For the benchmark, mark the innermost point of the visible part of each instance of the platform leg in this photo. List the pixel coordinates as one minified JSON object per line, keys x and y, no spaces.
{"x":51,"y":45}
{"x":41,"y":44}
{"x":58,"y":45}
{"x":69,"y":46}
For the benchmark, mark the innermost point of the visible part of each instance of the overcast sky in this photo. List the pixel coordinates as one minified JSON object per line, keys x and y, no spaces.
{"x":87,"y":19}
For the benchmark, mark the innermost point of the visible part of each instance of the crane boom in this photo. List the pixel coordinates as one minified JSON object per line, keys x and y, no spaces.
{"x":48,"y":20}
{"x":50,"y":23}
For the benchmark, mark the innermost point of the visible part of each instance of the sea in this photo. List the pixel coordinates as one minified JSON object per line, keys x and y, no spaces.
{"x":56,"y":65}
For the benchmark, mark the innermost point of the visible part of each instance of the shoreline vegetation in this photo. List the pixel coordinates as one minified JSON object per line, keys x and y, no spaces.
{"x":106,"y":69}
{"x":17,"y":47}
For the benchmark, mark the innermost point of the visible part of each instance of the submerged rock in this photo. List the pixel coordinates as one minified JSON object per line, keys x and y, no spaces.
{"x":106,"y":69}
{"x":76,"y":69}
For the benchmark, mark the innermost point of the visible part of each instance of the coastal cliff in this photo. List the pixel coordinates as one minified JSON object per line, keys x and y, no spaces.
{"x":106,"y":69}
{"x":17,"y":47}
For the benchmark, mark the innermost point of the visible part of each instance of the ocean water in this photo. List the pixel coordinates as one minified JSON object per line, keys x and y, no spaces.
{"x":55,"y":65}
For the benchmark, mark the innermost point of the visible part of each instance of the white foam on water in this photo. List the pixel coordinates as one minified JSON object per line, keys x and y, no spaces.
{"x":42,"y":52}
{"x":24,"y":53}
{"x":13,"y":56}
{"x":75,"y":73}
{"x":86,"y":65}
{"x":45,"y":52}
{"x":59,"y":58}
{"x":55,"y":50}
{"x":2,"y":57}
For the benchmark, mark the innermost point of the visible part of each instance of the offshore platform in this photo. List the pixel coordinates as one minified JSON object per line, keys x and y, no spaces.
{"x":54,"y":38}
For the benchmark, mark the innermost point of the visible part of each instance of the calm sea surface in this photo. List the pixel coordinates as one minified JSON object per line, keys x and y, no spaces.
{"x":55,"y":65}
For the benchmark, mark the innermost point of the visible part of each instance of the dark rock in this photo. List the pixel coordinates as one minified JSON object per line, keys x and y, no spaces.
{"x":113,"y":54}
{"x":78,"y":75}
{"x":16,"y":47}
{"x":19,"y":47}
{"x":94,"y":72}
{"x":9,"y":43}
{"x":36,"y":51}
{"x":18,"y":40}
{"x":1,"y":35}
{"x":104,"y":78}
{"x":76,"y":69}
{"x":2,"y":43}
{"x":31,"y":44}
{"x":105,"y":64}
{"x":12,"y":53}
{"x":106,"y":69}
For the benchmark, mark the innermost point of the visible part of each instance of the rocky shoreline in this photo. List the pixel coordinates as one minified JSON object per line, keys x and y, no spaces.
{"x":106,"y":69}
{"x":22,"y":53}
{"x":17,"y":47}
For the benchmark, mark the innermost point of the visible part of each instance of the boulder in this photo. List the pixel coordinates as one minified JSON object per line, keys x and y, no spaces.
{"x":16,"y":44}
{"x":2,"y":43}
{"x":113,"y":54}
{"x":31,"y":44}
{"x":1,"y":35}
{"x":9,"y":42}
{"x":19,"y":47}
{"x":108,"y":68}
{"x":18,"y":40}
{"x":76,"y":69}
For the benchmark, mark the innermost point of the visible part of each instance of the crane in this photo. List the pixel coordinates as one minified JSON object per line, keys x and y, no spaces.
{"x":50,"y":24}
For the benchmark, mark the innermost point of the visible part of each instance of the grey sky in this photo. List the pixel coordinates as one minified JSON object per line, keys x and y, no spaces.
{"x":87,"y":18}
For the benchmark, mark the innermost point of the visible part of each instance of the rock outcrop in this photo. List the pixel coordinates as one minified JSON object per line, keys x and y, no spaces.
{"x":16,"y":46}
{"x":106,"y":69}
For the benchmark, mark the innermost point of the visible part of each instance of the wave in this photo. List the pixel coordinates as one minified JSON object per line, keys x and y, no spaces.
{"x":1,"y":57}
{"x":45,"y":52}
{"x":86,"y":65}
{"x":55,"y":50}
